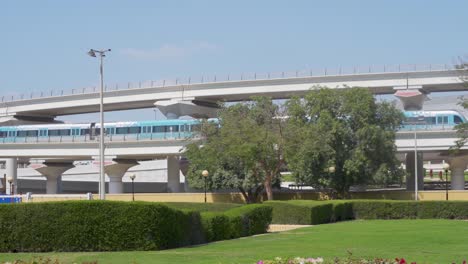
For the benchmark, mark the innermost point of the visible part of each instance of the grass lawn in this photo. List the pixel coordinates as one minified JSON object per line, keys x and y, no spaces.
{"x":424,"y":241}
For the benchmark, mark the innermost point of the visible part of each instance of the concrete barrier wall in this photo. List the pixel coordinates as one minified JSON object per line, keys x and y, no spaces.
{"x":237,"y":197}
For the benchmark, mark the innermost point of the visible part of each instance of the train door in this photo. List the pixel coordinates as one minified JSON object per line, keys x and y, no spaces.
{"x":11,"y":135}
{"x":146,"y":131}
{"x":43,"y":134}
{"x":110,"y":131}
{"x":75,"y":132}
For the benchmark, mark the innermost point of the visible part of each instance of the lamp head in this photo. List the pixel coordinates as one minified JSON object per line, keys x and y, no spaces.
{"x":132,"y":176}
{"x":10,"y":179}
{"x":205,"y":173}
{"x":446,"y":166}
{"x":91,"y":53}
{"x":331,"y":169}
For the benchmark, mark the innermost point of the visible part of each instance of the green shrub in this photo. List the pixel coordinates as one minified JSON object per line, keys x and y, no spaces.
{"x":92,"y":226}
{"x":301,"y":212}
{"x":202,"y":207}
{"x":319,"y":212}
{"x":255,"y":218}
{"x":443,"y":209}
{"x":342,"y":211}
{"x":288,"y":213}
{"x":383,"y":209}
{"x":238,"y":222}
{"x":216,"y":226}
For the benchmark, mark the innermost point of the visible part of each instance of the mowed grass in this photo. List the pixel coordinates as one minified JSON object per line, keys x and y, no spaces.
{"x":424,"y":241}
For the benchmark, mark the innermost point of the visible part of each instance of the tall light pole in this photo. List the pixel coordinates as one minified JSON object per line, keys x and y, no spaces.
{"x":205,"y":174}
{"x":132,"y":177}
{"x":446,"y":168}
{"x":419,"y":120}
{"x":415,"y":164}
{"x":102,"y":179}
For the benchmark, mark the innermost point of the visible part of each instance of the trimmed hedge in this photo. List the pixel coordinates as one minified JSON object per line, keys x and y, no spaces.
{"x":202,"y":207}
{"x":315,"y":212}
{"x":118,"y":226}
{"x":238,"y":222}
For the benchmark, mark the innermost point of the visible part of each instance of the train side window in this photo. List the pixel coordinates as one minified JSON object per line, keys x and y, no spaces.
{"x":121,"y":130}
{"x":457,"y":119}
{"x":446,"y":120}
{"x":430,"y":120}
{"x":158,"y":129}
{"x":3,"y":134}
{"x":22,"y":133}
{"x":134,"y":130}
{"x":32,"y":133}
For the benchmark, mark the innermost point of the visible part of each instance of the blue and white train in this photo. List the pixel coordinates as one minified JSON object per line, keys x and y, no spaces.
{"x":432,"y":120}
{"x":183,"y":128}
{"x":178,"y":128}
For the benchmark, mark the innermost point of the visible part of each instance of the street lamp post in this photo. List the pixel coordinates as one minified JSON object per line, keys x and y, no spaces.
{"x":205,"y":176}
{"x":446,"y":167}
{"x":419,"y":120}
{"x":102,"y":179}
{"x":132,"y":177}
{"x":10,"y":182}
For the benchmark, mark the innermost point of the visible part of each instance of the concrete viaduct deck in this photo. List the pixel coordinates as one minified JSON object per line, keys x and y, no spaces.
{"x":207,"y":93}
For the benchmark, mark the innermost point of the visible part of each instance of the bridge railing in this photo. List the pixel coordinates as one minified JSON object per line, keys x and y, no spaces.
{"x":108,"y":138}
{"x":335,"y":71}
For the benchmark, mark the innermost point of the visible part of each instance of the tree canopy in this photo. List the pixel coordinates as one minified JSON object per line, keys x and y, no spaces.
{"x":243,"y":151}
{"x":339,"y":138}
{"x":462,"y":129}
{"x":344,"y":129}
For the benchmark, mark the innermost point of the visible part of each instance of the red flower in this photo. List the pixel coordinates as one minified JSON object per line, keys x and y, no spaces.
{"x":402,"y":261}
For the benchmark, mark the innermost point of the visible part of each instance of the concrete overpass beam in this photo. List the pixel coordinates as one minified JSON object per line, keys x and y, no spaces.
{"x":175,"y":108}
{"x":457,"y":168}
{"x":53,"y":172}
{"x":11,"y":166}
{"x":116,"y":171}
{"x":173,"y":174}
{"x":410,"y":171}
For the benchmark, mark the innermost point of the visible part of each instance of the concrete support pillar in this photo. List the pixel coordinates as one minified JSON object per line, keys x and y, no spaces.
{"x":11,"y":166}
{"x":410,"y":180}
{"x":116,"y":171}
{"x":53,"y":172}
{"x":457,"y":169}
{"x":173,"y":174}
{"x":412,"y":97}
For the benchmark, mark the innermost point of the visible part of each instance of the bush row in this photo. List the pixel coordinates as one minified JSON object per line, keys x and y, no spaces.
{"x":117,"y":226}
{"x":313,"y":212}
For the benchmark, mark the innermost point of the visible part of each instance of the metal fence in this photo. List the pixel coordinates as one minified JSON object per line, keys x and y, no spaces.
{"x":337,"y":71}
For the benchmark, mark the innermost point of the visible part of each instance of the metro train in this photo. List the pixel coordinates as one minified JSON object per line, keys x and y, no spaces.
{"x":185,"y":128}
{"x":160,"y":129}
{"x":432,"y":120}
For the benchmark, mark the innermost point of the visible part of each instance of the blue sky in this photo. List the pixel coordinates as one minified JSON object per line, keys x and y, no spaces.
{"x":44,"y":43}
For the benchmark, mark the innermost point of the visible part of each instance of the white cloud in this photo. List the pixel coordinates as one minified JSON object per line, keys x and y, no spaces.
{"x":170,"y":50}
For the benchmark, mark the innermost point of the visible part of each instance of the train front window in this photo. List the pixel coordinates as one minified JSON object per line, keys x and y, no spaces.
{"x":457,"y":119}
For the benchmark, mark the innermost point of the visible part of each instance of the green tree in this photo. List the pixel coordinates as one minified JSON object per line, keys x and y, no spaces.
{"x":344,"y":129}
{"x":243,"y":151}
{"x":462,"y":129}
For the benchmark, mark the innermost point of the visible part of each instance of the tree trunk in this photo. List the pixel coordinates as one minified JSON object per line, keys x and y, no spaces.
{"x":268,"y":188}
